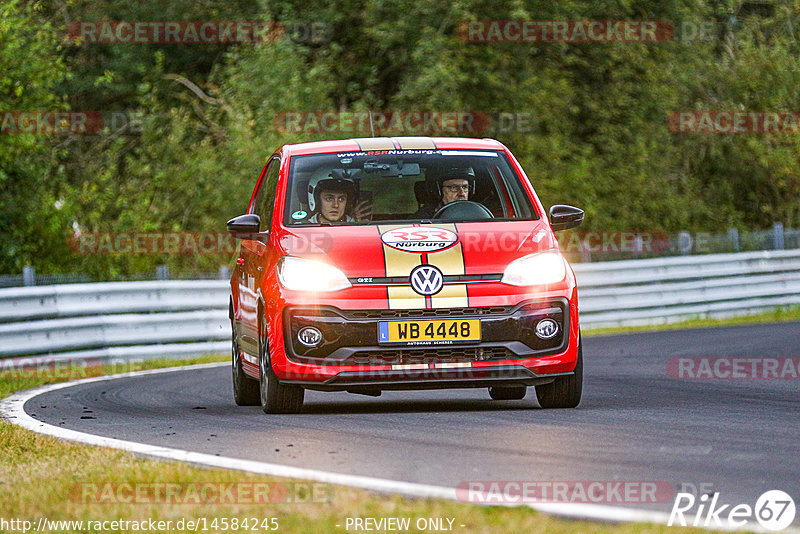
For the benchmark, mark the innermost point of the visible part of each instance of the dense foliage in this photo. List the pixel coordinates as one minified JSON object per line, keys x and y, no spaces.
{"x":201,"y":118}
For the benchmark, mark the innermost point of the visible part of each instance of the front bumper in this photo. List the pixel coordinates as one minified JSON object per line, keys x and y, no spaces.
{"x":350,"y":356}
{"x":351,"y":337}
{"x":370,"y":381}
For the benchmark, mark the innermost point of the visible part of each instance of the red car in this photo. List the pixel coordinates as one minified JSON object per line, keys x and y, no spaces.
{"x":401,"y":263}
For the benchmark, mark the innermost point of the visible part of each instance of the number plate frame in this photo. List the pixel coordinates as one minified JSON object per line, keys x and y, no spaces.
{"x":418,"y":331}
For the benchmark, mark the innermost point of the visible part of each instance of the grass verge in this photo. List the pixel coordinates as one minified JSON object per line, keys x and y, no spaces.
{"x":779,"y":315}
{"x":43,"y":477}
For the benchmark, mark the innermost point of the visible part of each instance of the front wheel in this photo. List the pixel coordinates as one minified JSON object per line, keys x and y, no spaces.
{"x":245,"y":389}
{"x":275,"y":397}
{"x":565,"y":391}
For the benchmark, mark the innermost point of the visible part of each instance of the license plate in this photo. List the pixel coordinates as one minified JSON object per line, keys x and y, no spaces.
{"x":429,"y":332}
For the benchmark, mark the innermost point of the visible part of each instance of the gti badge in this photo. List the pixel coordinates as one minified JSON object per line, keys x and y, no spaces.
{"x":426,"y":280}
{"x":309,"y":336}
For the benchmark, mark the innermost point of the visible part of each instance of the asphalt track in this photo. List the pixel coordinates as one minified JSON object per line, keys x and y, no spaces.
{"x":635,"y":423}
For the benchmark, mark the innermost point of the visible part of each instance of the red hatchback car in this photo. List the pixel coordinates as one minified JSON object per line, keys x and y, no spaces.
{"x":401,"y":263}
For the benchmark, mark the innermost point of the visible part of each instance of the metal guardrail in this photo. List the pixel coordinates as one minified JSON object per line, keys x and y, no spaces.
{"x":664,"y":290}
{"x":116,"y":320}
{"x":163,"y":319}
{"x":108,"y":298}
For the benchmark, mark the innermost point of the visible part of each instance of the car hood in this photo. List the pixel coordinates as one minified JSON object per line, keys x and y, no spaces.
{"x":478,"y":248}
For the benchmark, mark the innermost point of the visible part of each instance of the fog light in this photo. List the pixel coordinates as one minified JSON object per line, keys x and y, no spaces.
{"x":546,"y":329}
{"x":309,"y":336}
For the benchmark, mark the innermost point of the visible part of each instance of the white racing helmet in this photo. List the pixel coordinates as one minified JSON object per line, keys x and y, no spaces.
{"x":318,"y":184}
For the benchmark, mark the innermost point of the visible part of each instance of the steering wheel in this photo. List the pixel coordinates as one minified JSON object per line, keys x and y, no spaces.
{"x":463,"y":210}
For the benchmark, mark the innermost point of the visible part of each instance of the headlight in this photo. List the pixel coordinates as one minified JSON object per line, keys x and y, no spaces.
{"x":535,"y":269}
{"x":306,"y":275}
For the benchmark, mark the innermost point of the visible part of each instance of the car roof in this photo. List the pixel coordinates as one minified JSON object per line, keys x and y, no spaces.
{"x":392,"y":143}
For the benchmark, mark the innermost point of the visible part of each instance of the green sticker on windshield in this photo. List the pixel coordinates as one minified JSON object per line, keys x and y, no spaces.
{"x":299,"y":215}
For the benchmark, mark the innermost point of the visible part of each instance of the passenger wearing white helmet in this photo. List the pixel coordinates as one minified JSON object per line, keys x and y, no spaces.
{"x":329,"y":199}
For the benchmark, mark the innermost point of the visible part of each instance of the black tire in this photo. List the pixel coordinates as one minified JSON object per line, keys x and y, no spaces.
{"x":245,"y":389}
{"x":507,"y":392}
{"x":565,"y":391}
{"x":274,"y":396}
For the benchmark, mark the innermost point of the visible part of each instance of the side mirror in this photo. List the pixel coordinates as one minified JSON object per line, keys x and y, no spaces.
{"x":245,"y":226}
{"x":564,"y":217}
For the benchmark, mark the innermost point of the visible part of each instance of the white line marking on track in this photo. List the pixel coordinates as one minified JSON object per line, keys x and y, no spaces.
{"x":12,"y":408}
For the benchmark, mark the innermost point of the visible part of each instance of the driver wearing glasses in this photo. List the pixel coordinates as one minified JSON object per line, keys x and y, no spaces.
{"x":455,"y":185}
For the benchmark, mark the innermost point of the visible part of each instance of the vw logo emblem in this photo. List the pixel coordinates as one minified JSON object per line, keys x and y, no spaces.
{"x":426,"y":280}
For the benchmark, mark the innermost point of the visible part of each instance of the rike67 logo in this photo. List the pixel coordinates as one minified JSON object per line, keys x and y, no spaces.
{"x":774,"y":510}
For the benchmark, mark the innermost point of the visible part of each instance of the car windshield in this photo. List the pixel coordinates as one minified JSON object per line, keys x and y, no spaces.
{"x":404,"y":186}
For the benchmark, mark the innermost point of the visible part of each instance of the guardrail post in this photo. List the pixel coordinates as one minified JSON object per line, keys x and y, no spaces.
{"x":224,"y":272}
{"x":685,"y":243}
{"x":162,"y":272}
{"x":638,"y":246}
{"x":777,"y":235}
{"x":733,"y":235}
{"x":28,"y":276}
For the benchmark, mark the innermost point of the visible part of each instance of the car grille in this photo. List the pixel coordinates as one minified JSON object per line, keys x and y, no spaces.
{"x":440,"y":355}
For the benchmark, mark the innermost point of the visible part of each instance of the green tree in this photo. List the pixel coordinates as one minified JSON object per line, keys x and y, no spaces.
{"x":32,"y":227}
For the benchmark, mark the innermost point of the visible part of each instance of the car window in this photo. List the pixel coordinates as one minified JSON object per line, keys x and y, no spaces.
{"x":404,"y":186}
{"x":265,"y":200}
